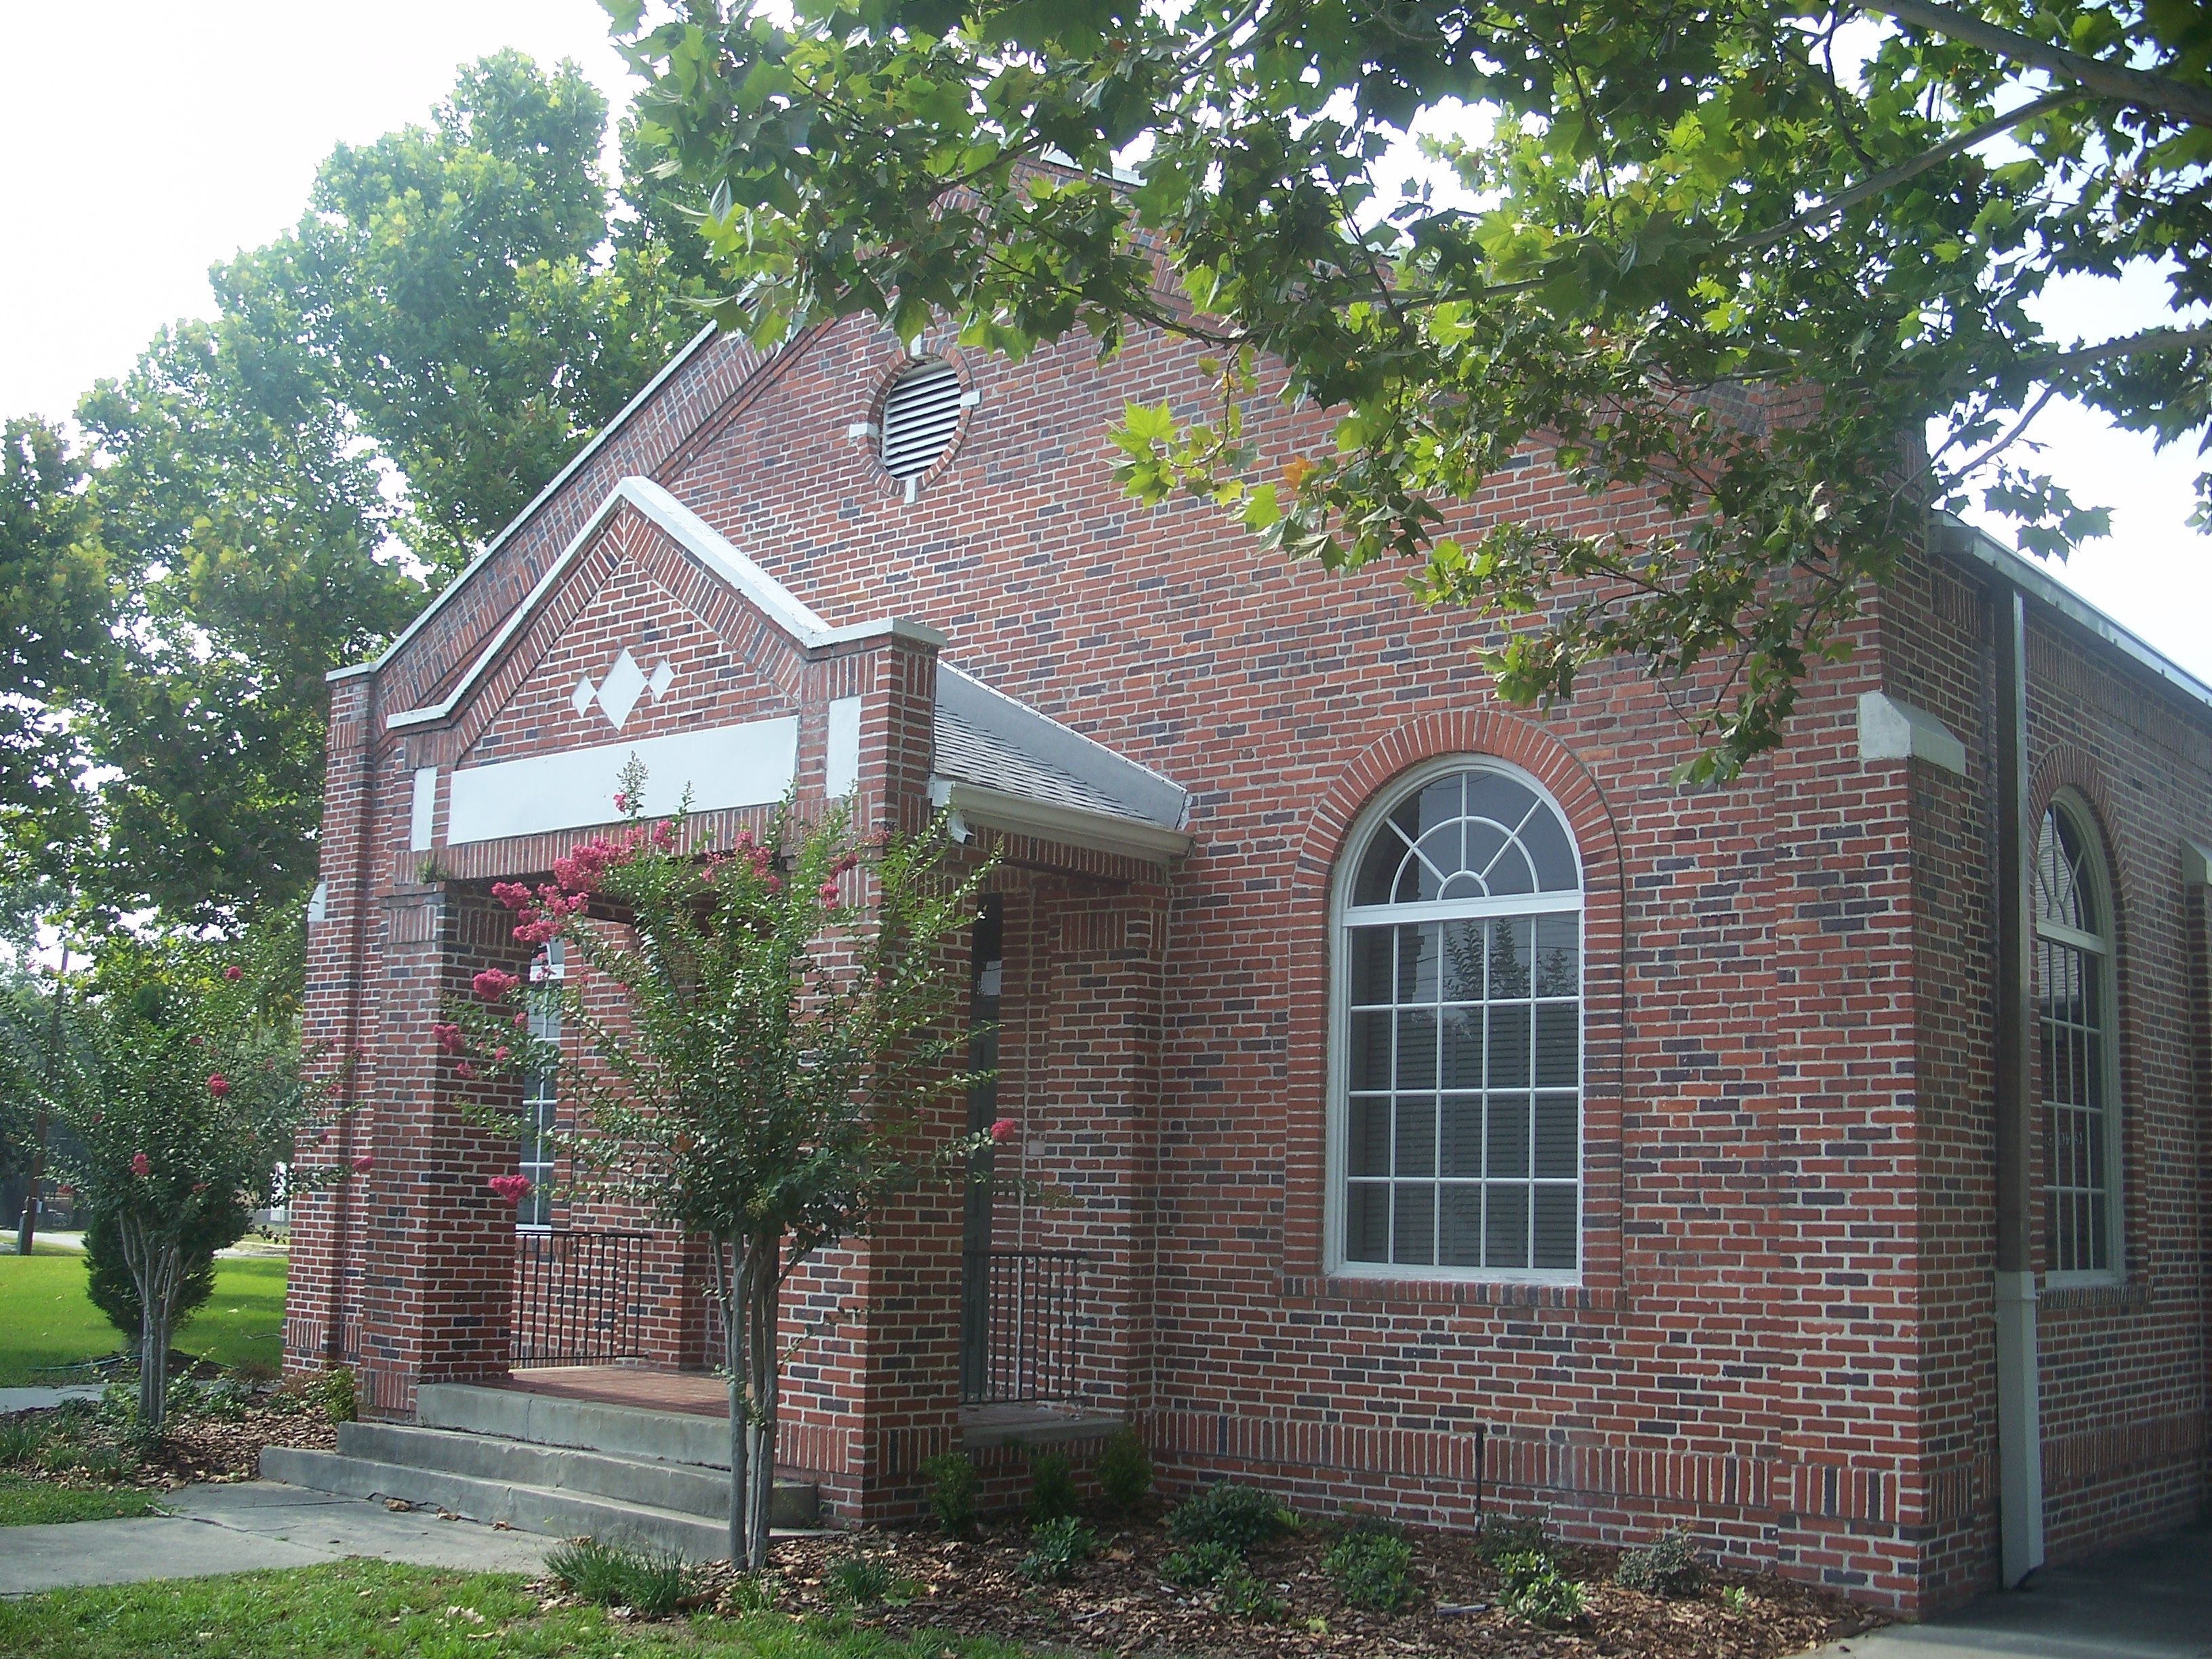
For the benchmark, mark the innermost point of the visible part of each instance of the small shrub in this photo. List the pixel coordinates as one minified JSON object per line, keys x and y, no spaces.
{"x":1051,"y":1487}
{"x":96,"y":1460}
{"x":1535,"y":1591}
{"x":1669,"y":1565}
{"x":333,"y":1390}
{"x":1242,"y":1596}
{"x":1196,"y":1566}
{"x":648,"y":1583}
{"x":1125,"y":1471}
{"x":1498,"y":1538}
{"x":1057,"y":1548}
{"x":1239,"y":1516}
{"x":20,"y":1437}
{"x":864,"y":1580}
{"x":1735,"y":1598}
{"x":1373,"y":1569}
{"x":118,"y":1404}
{"x":952,"y":1479}
{"x":227,"y":1401}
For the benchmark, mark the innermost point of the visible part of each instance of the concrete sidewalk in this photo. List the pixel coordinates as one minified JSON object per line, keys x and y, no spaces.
{"x":240,"y":1528}
{"x":2147,"y":1601}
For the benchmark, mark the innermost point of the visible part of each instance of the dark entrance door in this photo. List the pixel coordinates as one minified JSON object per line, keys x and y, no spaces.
{"x":985,"y":959}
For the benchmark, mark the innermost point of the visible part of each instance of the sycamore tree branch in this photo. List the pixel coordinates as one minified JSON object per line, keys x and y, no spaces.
{"x":1905,"y":171}
{"x":2180,"y":100}
{"x":2130,"y":345}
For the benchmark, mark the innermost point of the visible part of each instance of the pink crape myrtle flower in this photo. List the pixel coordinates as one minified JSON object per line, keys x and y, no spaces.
{"x":232,"y":972}
{"x":493,"y":984}
{"x":512,"y":1188}
{"x":140,"y":1164}
{"x":218,"y":1085}
{"x":622,"y":801}
{"x":1003,"y":1130}
{"x":363,"y":1162}
{"x":465,"y":1069}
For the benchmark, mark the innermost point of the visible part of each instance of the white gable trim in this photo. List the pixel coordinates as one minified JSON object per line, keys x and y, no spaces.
{"x":700,"y":539}
{"x":597,"y":441}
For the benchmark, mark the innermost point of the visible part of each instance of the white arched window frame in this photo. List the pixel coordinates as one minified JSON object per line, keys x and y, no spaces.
{"x":2078,"y":1050}
{"x":1462,"y":1160}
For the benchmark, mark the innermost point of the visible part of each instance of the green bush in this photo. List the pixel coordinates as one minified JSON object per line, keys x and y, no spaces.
{"x":1498,"y":1537}
{"x":1057,"y":1548}
{"x":1535,"y":1591}
{"x":1124,"y":1472}
{"x":1196,"y":1566}
{"x":864,"y":1580}
{"x":1669,"y":1565}
{"x":1241,"y":1596}
{"x":1372,"y":1568}
{"x":108,"y":1280}
{"x":952,"y":1479}
{"x":333,"y":1390}
{"x":648,"y":1583}
{"x":1225,"y":1513}
{"x":1052,"y":1486}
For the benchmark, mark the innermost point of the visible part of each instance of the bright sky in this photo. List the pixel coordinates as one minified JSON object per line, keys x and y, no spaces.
{"x":145,"y":146}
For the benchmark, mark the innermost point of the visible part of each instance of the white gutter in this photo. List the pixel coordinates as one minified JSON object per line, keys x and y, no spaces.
{"x":1071,"y":826}
{"x":1962,"y":540}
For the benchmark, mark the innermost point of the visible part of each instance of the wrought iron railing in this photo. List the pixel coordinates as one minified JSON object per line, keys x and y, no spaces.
{"x":1017,"y":1337}
{"x":576,"y":1298}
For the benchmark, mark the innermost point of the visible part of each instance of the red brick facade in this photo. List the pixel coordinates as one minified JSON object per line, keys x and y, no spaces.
{"x":1781,"y":1333}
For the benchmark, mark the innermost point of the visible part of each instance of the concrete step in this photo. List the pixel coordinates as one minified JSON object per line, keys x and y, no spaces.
{"x":545,"y":1419}
{"x":550,"y":1511}
{"x":685,"y":1487}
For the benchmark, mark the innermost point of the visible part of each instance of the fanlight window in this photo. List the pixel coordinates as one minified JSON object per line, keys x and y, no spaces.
{"x":2074,"y":1006}
{"x":1458,"y":1003}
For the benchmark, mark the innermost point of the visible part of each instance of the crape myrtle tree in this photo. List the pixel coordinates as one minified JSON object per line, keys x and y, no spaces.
{"x":782,"y":1024}
{"x":184,"y":1085}
{"x":1732,"y":258}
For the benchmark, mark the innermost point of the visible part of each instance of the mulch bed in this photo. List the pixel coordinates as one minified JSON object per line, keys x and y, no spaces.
{"x":193,"y":1448}
{"x":1120,"y":1603}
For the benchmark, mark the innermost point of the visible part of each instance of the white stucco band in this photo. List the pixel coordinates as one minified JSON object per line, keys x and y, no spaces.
{"x":750,"y":764}
{"x":1890,"y":730}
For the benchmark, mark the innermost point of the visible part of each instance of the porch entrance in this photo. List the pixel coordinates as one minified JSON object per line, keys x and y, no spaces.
{"x":1016,"y":1307}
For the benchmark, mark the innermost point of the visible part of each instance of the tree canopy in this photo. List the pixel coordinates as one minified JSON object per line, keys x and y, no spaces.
{"x":1733,"y":257}
{"x":260,"y":498}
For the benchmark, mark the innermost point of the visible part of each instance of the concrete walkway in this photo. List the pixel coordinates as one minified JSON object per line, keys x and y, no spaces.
{"x":240,"y":1528}
{"x":41,"y":1400}
{"x":2147,"y":1601}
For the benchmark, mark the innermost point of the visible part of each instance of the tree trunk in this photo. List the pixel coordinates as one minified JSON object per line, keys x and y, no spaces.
{"x":764,"y":1283}
{"x":156,"y":1266}
{"x":727,"y":1277}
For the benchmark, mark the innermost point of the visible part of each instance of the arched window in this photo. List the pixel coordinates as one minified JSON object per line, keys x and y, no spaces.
{"x":2073,"y":1007}
{"x":1456,"y":1073}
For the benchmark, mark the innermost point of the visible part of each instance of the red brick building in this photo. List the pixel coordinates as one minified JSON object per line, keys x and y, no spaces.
{"x":1449,"y":1109}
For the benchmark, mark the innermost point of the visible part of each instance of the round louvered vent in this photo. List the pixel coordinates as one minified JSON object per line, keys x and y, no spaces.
{"x":920,"y":415}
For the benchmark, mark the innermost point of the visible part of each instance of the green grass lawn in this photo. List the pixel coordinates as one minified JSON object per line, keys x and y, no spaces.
{"x":380,"y":1610}
{"x":47,"y":1319}
{"x":27,"y":1503}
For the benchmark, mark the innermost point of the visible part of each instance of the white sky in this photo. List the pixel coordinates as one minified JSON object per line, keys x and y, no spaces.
{"x":143,"y":147}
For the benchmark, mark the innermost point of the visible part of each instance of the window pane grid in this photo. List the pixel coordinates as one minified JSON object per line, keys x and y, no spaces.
{"x":2076,"y":1180}
{"x":540,"y":1102}
{"x":1463,"y":1113}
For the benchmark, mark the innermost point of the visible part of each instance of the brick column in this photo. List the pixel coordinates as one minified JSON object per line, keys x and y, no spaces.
{"x":322,"y":1311}
{"x":437,"y":1249}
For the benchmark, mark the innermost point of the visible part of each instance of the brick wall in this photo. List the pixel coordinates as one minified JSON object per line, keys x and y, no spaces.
{"x":1781,"y":1335}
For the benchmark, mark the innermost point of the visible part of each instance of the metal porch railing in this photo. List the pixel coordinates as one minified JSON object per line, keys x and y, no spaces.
{"x":1018,"y":1336}
{"x":576,"y":1298}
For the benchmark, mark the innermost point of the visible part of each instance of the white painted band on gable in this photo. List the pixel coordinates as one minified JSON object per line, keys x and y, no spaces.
{"x":749,"y":764}
{"x":844,"y":748}
{"x":423,"y":810}
{"x":1890,"y":730}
